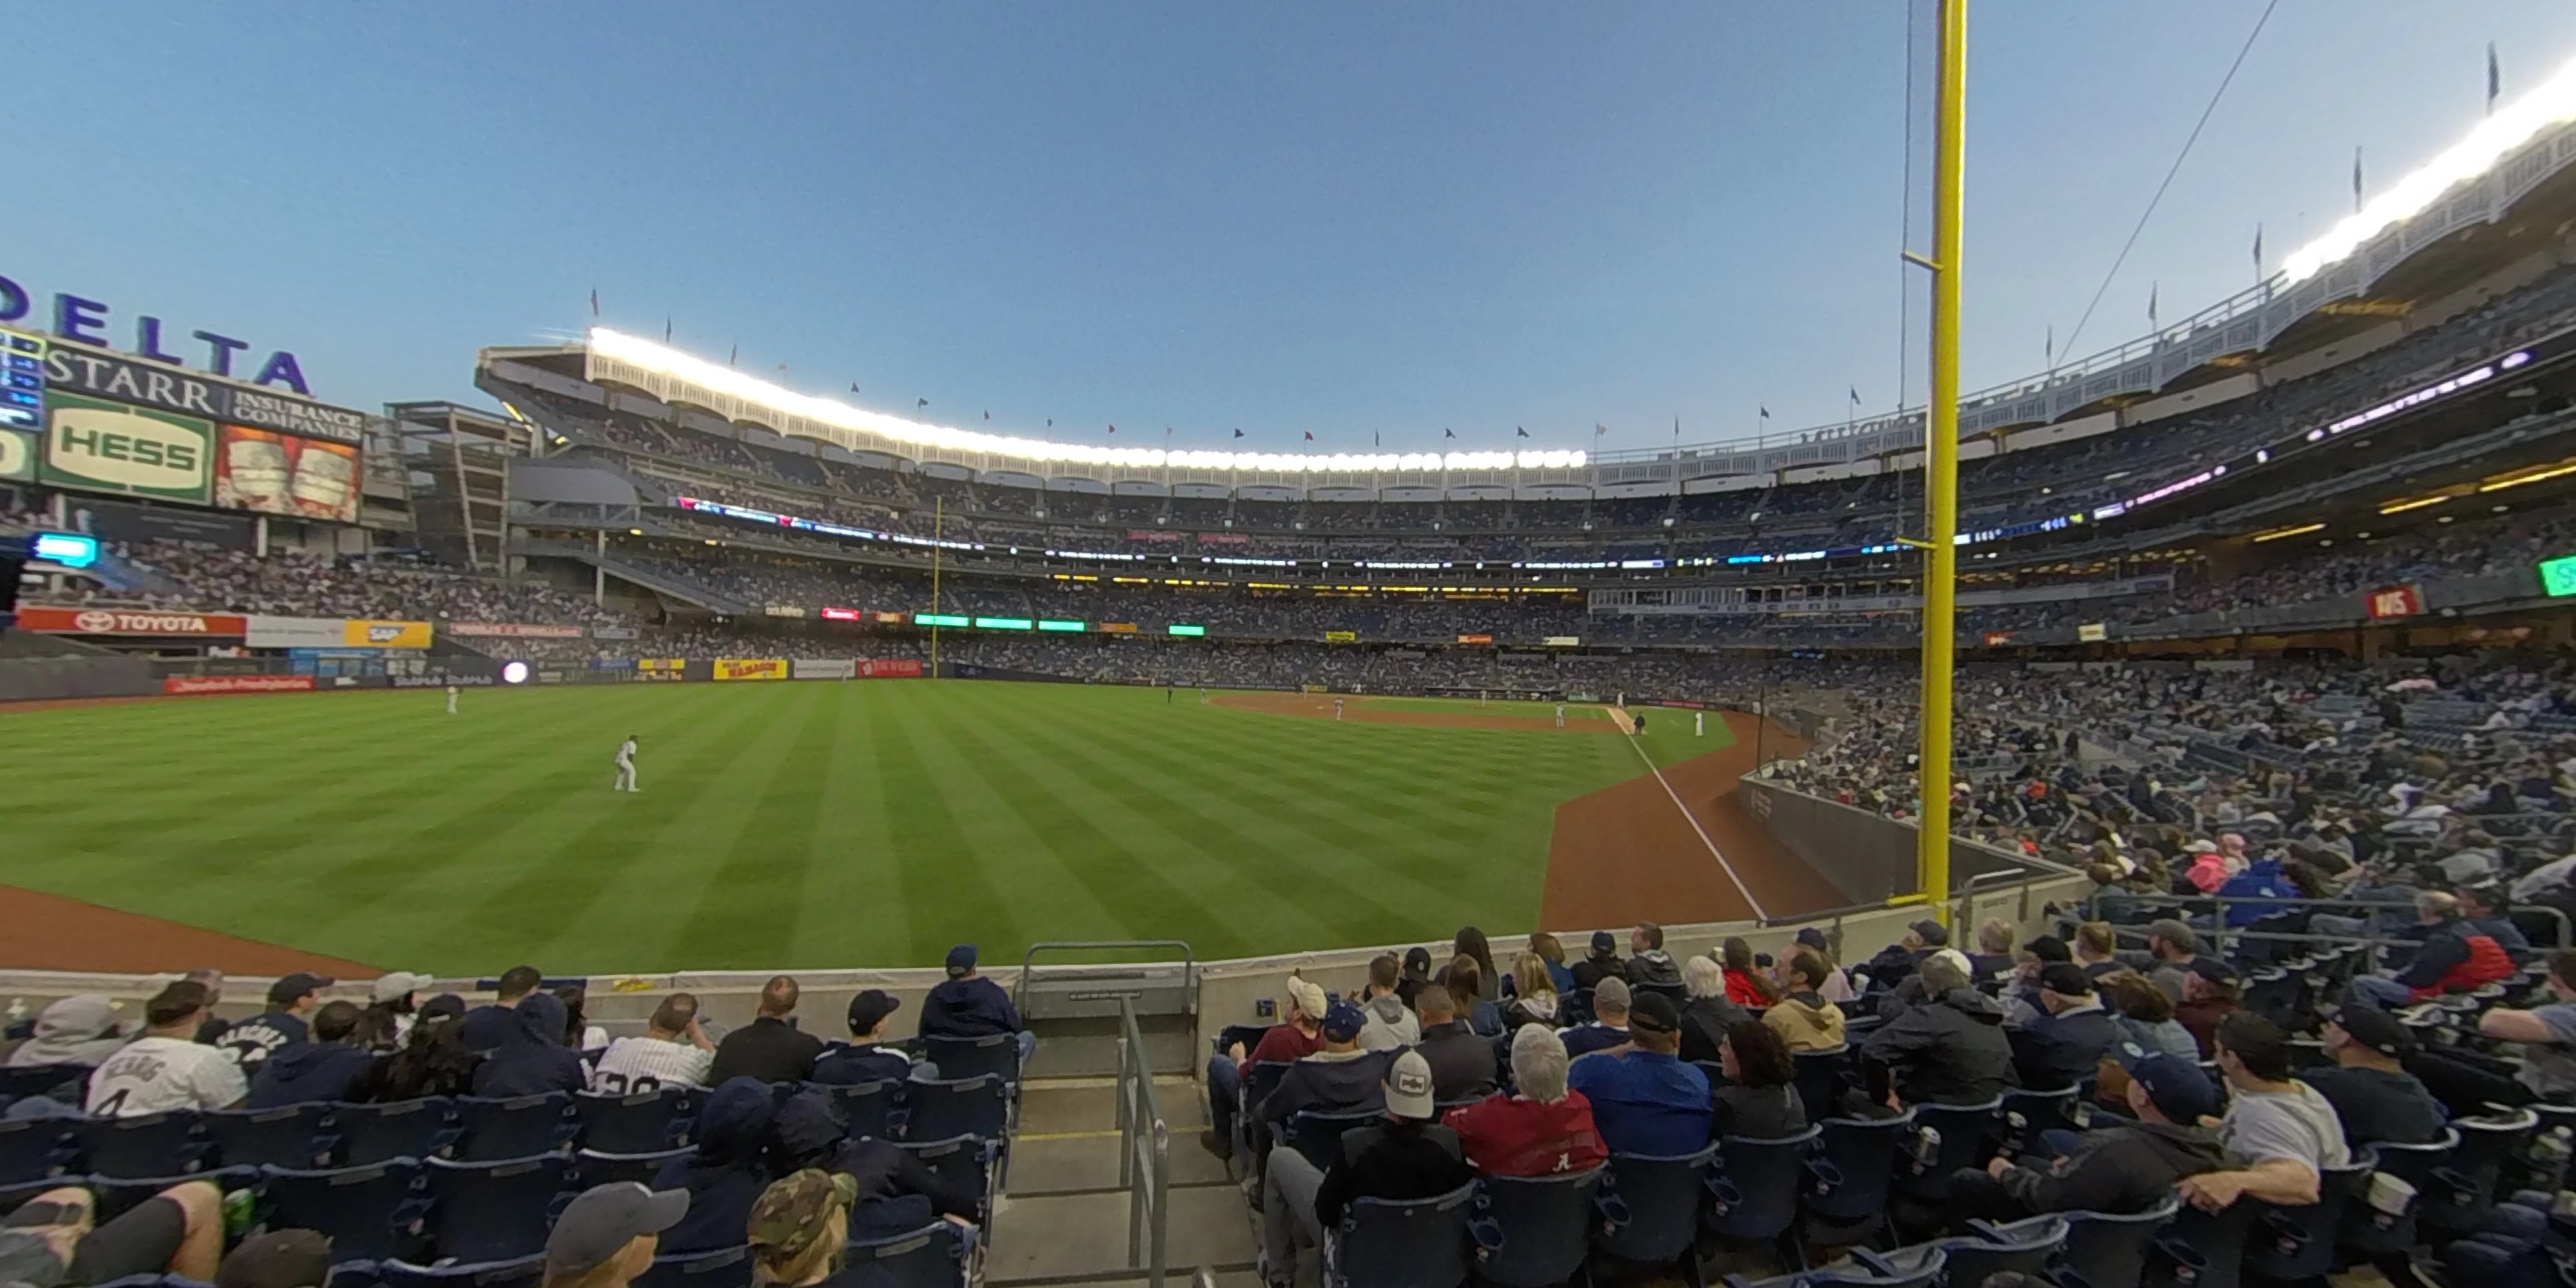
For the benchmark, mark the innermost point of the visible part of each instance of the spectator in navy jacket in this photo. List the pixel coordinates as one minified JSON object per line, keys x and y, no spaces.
{"x":967,"y":1005}
{"x":533,"y":1059}
{"x":329,"y":1066}
{"x":2064,"y":1043}
{"x":290,"y":999}
{"x":723,"y":1174}
{"x":487,"y":1027}
{"x":867,"y":1059}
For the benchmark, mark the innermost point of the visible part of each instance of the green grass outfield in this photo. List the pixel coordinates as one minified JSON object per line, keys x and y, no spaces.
{"x":804,"y":824}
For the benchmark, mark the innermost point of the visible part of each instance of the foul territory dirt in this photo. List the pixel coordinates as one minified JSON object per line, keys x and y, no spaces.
{"x":48,"y":932}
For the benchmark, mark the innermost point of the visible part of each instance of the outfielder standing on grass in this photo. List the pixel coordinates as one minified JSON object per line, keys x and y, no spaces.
{"x":1560,"y":715}
{"x":451,"y":699}
{"x":626,"y":764}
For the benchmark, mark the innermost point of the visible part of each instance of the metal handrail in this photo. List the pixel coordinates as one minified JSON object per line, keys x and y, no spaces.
{"x":1189,"y":958}
{"x":1144,"y":1151}
{"x":2368,"y":909}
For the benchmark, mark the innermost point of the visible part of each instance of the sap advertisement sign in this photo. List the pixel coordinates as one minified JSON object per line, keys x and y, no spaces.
{"x":87,"y":321}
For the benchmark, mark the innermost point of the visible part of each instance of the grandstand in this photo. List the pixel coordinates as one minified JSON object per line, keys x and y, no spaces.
{"x":2263,"y":804}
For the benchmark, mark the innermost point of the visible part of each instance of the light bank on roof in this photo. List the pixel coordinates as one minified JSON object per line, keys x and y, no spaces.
{"x":2495,"y":198}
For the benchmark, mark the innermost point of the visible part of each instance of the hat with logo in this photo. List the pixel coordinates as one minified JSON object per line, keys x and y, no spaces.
{"x":603,"y":1219}
{"x":1931,"y":932}
{"x":792,"y":1213}
{"x":290,"y":987}
{"x":2066,"y":980}
{"x":1343,"y":1022}
{"x":1654,"y":1013}
{"x":870,"y":1008}
{"x":1408,"y":1086}
{"x":961,"y":959}
{"x":1309,"y":997}
{"x":395,"y":985}
{"x":2375,"y":1029}
{"x":1417,"y":964}
{"x":2178,"y":1087}
{"x":278,"y":1259}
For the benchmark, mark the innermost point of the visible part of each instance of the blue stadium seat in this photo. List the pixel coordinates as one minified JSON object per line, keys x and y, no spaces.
{"x":965,"y":1161}
{"x":1755,"y":1185}
{"x":869,"y":1107}
{"x":2200,"y":1249}
{"x":64,"y":1082}
{"x":517,"y":1127}
{"x":1850,"y":1177}
{"x":32,"y":1149}
{"x":933,"y":1256}
{"x":948,"y":1108}
{"x":493,"y":1209}
{"x":726,"y":1268}
{"x":289,"y":1136}
{"x":959,"y":1059}
{"x":642,"y":1122}
{"x":1400,"y":1243}
{"x":1822,"y":1079}
{"x":372,"y":1212}
{"x":2368,"y":1232}
{"x":1318,"y":1136}
{"x":524,"y":1272}
{"x":117,"y":1195}
{"x":595,"y":1167}
{"x":2292,"y":1244}
{"x":1655,"y":1216}
{"x":2467,"y":1185}
{"x":1916,"y":1267}
{"x":164,"y":1144}
{"x":1532,"y":1231}
{"x":2023,"y":1246}
{"x":2025,"y":1114}
{"x":2108,"y":1250}
{"x":1967,"y":1139}
{"x":394,"y":1129}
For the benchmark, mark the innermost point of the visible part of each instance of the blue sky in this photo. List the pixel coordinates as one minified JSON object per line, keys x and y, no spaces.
{"x":1335,"y":217}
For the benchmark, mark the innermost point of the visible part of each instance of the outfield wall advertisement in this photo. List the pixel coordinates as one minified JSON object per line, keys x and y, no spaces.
{"x":751,"y":668}
{"x":17,"y":456}
{"x":512,"y":630}
{"x":120,"y":621}
{"x":194,"y":685}
{"x":334,"y":633}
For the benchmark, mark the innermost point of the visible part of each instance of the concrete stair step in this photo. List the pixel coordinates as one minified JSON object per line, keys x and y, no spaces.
{"x":1059,"y":1105}
{"x":1084,"y":1161}
{"x":1089,"y":1048}
{"x":1061,"y":1237}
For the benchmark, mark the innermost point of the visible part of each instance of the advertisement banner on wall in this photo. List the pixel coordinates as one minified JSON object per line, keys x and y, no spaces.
{"x":751,"y":668}
{"x":612,"y":632}
{"x":111,"y":447}
{"x":369,"y":633}
{"x":669,"y":669}
{"x":905,"y":668}
{"x":333,"y":632}
{"x":514,"y":630}
{"x":2093,"y":632}
{"x":17,"y":455}
{"x":2396,"y":601}
{"x":819,"y":669}
{"x":299,"y":478}
{"x":117,"y":621}
{"x":190,"y":685}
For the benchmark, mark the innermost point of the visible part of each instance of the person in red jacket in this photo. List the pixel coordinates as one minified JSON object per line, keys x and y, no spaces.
{"x":2456,"y":957}
{"x":1746,"y":985}
{"x":1544,"y":1130}
{"x":1295,"y":1038}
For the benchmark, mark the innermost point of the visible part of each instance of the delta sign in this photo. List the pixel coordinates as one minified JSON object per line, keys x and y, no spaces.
{"x":85,"y":320}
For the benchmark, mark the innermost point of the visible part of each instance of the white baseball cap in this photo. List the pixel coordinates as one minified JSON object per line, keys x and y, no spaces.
{"x":393,"y":986}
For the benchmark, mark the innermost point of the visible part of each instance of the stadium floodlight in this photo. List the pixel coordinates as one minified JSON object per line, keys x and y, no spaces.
{"x":2512,"y":125}
{"x":735,"y":383}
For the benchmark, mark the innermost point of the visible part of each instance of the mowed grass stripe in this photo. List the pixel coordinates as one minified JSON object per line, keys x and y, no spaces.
{"x":778,"y":788}
{"x":948,"y":896}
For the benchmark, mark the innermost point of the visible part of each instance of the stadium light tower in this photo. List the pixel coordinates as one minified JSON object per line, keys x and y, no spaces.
{"x":1941,"y":457}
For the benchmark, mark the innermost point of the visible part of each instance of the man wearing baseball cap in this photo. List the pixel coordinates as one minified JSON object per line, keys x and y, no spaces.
{"x":1601,"y":963}
{"x":867,"y":1058}
{"x":608,"y":1233}
{"x":1339,"y":1079}
{"x":2373,"y":1095}
{"x":2063,"y":1042}
{"x":967,"y":1005}
{"x":1294,"y":1038}
{"x":290,"y":999}
{"x":1904,"y":957}
{"x":2173,"y":945}
{"x":2128,"y":1168}
{"x":1645,"y":1098}
{"x":1407,"y":1157}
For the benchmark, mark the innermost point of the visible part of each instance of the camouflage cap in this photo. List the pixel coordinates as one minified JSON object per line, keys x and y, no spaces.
{"x":790,"y":1214}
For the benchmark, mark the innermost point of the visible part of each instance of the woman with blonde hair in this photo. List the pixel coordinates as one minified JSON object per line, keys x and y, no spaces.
{"x":1552,"y":949}
{"x":798,"y":1228}
{"x":1533,"y":993}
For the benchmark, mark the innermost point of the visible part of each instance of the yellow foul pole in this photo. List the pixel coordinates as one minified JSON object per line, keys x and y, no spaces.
{"x":1941,"y":457}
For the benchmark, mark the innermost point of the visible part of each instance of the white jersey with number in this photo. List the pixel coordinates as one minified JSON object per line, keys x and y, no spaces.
{"x":648,"y":1064}
{"x":153,"y":1075}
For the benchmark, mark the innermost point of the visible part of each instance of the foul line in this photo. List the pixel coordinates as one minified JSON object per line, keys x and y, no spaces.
{"x":1693,"y":820}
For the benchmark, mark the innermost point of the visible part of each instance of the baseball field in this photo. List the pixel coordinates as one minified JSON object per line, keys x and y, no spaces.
{"x":822,"y":824}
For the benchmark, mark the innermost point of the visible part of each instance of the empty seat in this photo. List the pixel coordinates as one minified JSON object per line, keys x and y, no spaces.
{"x":372,"y":1212}
{"x":595,"y":1167}
{"x":2026,"y":1114}
{"x":63,"y":1082}
{"x":947,"y":1108}
{"x":641,"y":1122}
{"x":930,"y":1257}
{"x":2023,"y":1246}
{"x":964,"y":1162}
{"x":1850,"y":1177}
{"x":395,"y":1129}
{"x":493,"y":1209}
{"x":1656,"y":1216}
{"x":2369,"y":1232}
{"x":1532,"y":1230}
{"x":2109,"y":1250}
{"x":523,"y":1272}
{"x":2467,"y":1184}
{"x":1400,"y":1243}
{"x":724,"y":1268}
{"x":1756,"y":1183}
{"x":868,"y":1107}
{"x":959,"y":1059}
{"x":517,"y":1127}
{"x":32,"y":1149}
{"x":1952,"y":1137}
{"x":164,"y":1144}
{"x":290,"y":1136}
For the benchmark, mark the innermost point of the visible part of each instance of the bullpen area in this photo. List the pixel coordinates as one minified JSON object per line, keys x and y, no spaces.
{"x":866,"y":823}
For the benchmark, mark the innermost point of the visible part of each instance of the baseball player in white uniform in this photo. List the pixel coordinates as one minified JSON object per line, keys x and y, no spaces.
{"x":1337,"y":708}
{"x":451,"y":699}
{"x":1699,"y":724}
{"x":626,"y":764}
{"x":1560,"y":715}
